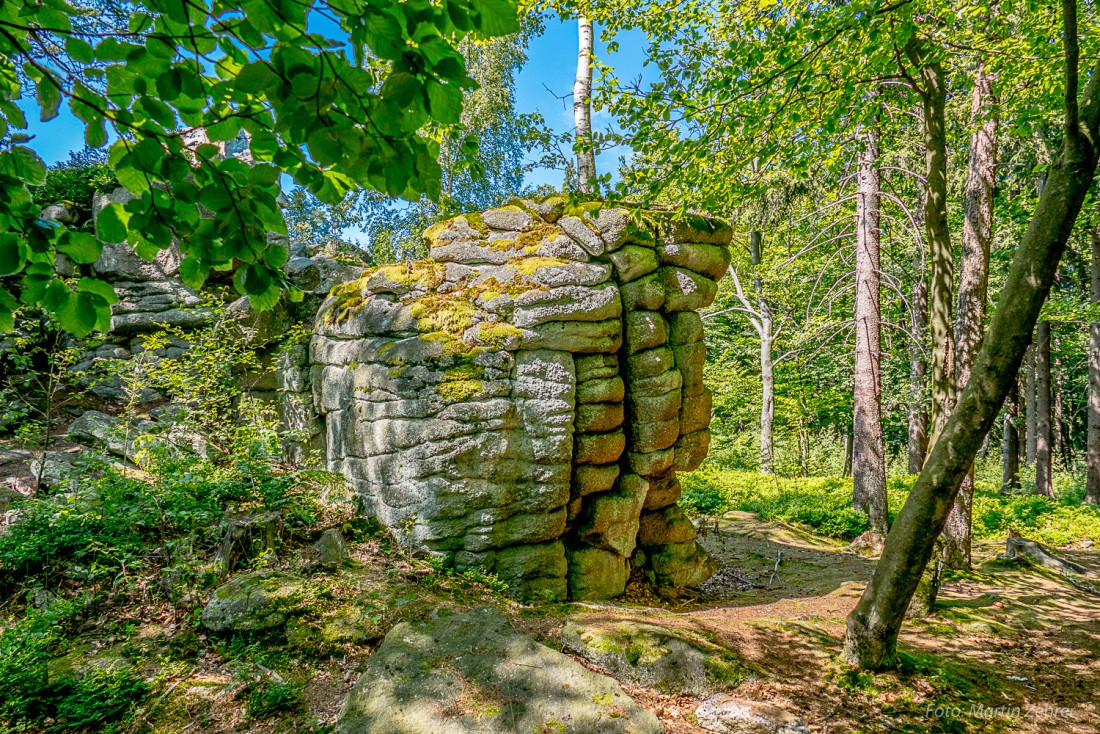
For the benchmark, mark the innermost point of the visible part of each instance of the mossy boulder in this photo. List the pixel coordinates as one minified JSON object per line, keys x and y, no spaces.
{"x":255,"y":601}
{"x":460,"y":673}
{"x":673,"y":661}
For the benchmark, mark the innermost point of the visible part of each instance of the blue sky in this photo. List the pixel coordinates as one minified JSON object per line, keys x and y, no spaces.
{"x":549,"y":71}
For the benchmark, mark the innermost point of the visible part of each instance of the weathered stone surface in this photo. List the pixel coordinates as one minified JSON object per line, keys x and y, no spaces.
{"x":681,"y":565}
{"x":709,"y":260}
{"x":685,"y":327}
{"x":584,"y":235}
{"x":598,"y":417}
{"x":632,"y":262}
{"x":331,"y":548}
{"x":665,"y":527}
{"x":471,"y":672}
{"x":595,"y":573}
{"x":483,"y":402}
{"x":59,"y":213}
{"x":599,"y":448}
{"x":588,"y":479}
{"x":610,"y":390}
{"x":695,"y":415}
{"x":685,"y":290}
{"x":645,"y":330}
{"x":645,"y":293}
{"x":610,"y":521}
{"x":653,"y":436}
{"x":507,"y":218}
{"x":691,"y":450}
{"x":251,"y":602}
{"x":663,"y":491}
{"x":726,"y":714}
{"x":674,"y":661}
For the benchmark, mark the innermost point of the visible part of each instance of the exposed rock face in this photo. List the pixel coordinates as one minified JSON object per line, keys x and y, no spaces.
{"x":728,"y":715}
{"x":670,"y":660}
{"x":251,"y":602}
{"x":472,"y":673}
{"x":522,"y":400}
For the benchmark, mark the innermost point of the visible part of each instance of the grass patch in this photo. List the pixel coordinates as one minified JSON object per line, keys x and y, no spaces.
{"x":825,"y":504}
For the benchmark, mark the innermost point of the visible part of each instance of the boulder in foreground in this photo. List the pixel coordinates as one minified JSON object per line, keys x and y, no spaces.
{"x":472,"y":672}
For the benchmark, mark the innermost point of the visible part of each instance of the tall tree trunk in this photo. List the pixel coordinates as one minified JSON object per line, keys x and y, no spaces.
{"x":934,"y":100}
{"x":1010,"y":442}
{"x":973,"y":288}
{"x":1029,"y":404}
{"x":767,"y":359}
{"x":874,"y":624}
{"x":1044,"y":470}
{"x":868,"y":451}
{"x":582,"y":109}
{"x":918,"y":370}
{"x":1092,"y":485}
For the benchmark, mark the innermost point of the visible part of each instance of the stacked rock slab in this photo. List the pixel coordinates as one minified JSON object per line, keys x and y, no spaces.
{"x":521,"y":401}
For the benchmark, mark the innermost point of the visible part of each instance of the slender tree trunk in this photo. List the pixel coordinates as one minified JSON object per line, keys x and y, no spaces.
{"x":1044,"y":470}
{"x":973,"y":289}
{"x":868,"y":451}
{"x":803,"y":447}
{"x":1092,"y":485}
{"x":1029,"y":405}
{"x":934,"y":98}
{"x":582,"y":109}
{"x":1010,"y":442}
{"x":847,"y":443}
{"x":767,"y":359}
{"x":873,"y":626}
{"x":918,"y":370}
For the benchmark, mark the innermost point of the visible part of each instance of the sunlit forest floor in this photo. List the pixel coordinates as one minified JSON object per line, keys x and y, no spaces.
{"x":1010,"y":648}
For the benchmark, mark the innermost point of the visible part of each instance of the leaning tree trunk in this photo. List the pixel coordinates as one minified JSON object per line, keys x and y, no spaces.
{"x":1092,"y":485}
{"x":767,"y":358}
{"x":973,"y":288}
{"x":873,"y":626}
{"x":582,"y":109}
{"x":868,"y":451}
{"x":1044,"y":469}
{"x":1010,"y":442}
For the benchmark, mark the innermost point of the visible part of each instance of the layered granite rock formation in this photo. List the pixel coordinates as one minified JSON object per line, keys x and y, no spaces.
{"x":521,"y":401}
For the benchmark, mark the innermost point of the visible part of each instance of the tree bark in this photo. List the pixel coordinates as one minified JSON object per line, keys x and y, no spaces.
{"x":1044,"y":470}
{"x":933,"y":94}
{"x":1092,"y":484}
{"x":582,"y":109}
{"x":873,"y":626}
{"x":1029,"y":405}
{"x":973,"y":288}
{"x":767,"y":359}
{"x":868,"y":450}
{"x":1010,"y":442}
{"x":918,"y":370}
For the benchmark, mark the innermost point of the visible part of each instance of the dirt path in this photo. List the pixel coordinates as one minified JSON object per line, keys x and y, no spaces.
{"x":1012,"y":649}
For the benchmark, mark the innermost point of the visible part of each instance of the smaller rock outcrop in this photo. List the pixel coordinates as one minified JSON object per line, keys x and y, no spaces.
{"x":670,"y":660}
{"x":473,"y":673}
{"x":251,"y":602}
{"x":729,"y":715}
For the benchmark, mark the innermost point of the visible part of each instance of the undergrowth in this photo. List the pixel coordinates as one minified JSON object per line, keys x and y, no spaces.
{"x":825,"y":504}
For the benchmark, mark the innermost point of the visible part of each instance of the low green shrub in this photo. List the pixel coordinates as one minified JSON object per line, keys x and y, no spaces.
{"x":825,"y":504}
{"x":31,"y":697}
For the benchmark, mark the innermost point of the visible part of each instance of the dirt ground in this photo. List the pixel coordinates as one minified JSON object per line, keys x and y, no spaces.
{"x":1011,"y":648}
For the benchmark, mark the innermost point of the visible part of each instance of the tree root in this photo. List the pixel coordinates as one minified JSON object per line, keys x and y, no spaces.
{"x":1018,"y":546}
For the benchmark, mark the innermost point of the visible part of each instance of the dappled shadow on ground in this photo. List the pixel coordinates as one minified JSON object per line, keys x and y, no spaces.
{"x":1010,"y":649}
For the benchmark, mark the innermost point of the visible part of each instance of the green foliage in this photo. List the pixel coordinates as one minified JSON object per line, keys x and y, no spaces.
{"x":265,"y":697}
{"x":32,"y":697}
{"x":825,"y":504}
{"x":331,"y":113}
{"x":75,"y":183}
